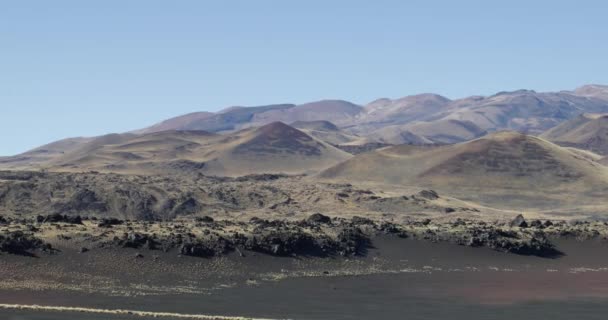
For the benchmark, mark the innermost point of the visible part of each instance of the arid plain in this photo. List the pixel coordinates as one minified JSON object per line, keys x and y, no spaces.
{"x":493,"y":203}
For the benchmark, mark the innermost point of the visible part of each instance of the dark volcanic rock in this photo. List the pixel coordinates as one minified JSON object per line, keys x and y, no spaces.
{"x":361,"y":221}
{"x":284,"y":243}
{"x":204,"y":219}
{"x":319,"y":218}
{"x":138,"y":240}
{"x":428,"y":194}
{"x":537,"y":224}
{"x":536,"y":246}
{"x":392,"y":229}
{"x":518,"y":222}
{"x":109,"y":222}
{"x":353,"y":242}
{"x":84,"y":200}
{"x":22,"y":244}
{"x":59,"y":218}
{"x":260,"y":177}
{"x":206,"y":248}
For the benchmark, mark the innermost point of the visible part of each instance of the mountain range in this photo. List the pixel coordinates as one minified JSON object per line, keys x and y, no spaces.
{"x":423,"y":118}
{"x":518,"y":149}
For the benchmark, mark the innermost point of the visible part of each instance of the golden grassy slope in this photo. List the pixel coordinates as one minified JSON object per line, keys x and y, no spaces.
{"x":274,"y":148}
{"x":504,"y":168}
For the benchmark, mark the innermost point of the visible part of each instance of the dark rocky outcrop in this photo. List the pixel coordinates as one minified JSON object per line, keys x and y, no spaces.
{"x":428,"y":194}
{"x":59,"y":218}
{"x":206,"y":248}
{"x":284,"y":243}
{"x":319,"y":218}
{"x":204,"y":219}
{"x":518,"y":222}
{"x":137,"y":241}
{"x":109,"y":222}
{"x":22,"y":244}
{"x":361,"y":221}
{"x":353,"y":242}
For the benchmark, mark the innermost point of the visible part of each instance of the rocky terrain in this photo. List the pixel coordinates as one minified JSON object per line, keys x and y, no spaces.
{"x":207,"y":202}
{"x":153,"y":198}
{"x":316,"y":236}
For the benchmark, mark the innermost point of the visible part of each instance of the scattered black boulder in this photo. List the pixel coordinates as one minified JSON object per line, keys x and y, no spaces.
{"x":206,"y":248}
{"x":109,"y":222}
{"x":137,"y":241}
{"x":361,"y":221}
{"x":284,"y":243}
{"x":428,"y":194}
{"x":537,"y":224}
{"x":518,"y":222}
{"x":319,"y":218}
{"x":353,"y":242}
{"x":20,"y":243}
{"x":204,"y":219}
{"x":61,"y":218}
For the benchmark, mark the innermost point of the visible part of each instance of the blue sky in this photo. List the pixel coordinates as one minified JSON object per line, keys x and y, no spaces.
{"x":82,"y":68}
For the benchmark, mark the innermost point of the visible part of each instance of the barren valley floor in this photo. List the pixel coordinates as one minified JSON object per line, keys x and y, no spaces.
{"x":399,"y":279}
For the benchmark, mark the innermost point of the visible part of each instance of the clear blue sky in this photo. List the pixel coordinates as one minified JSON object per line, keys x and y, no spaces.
{"x":74,"y":68}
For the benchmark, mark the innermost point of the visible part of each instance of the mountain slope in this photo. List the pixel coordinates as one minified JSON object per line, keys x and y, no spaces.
{"x":403,"y":110}
{"x":273,"y":148}
{"x":587,"y":131}
{"x":522,"y":110}
{"x":330,"y":133}
{"x":593,"y":91}
{"x":505,"y":169}
{"x":335,"y":111}
{"x":185,"y":122}
{"x":42,"y":154}
{"x":230,"y":119}
{"x":417,"y":119}
{"x":440,"y":131}
{"x":236,"y":118}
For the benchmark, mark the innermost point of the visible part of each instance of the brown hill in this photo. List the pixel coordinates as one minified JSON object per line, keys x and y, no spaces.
{"x":587,"y":131}
{"x":273,"y":148}
{"x":41,"y":155}
{"x":236,"y":118}
{"x":506,"y":169}
{"x":411,"y":108}
{"x":336,"y":111}
{"x":319,"y":125}
{"x":230,"y":119}
{"x":522,"y":110}
{"x":185,"y":122}
{"x":593,"y":91}
{"x":526,"y":110}
{"x":440,"y":131}
{"x":417,"y":119}
{"x":330,"y":133}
